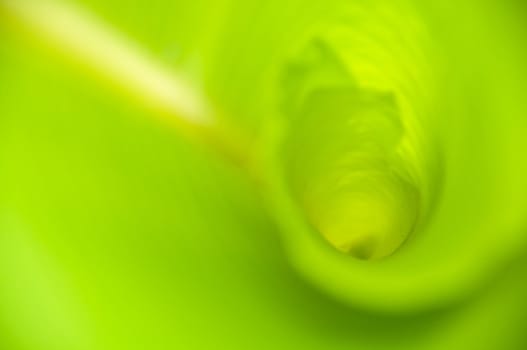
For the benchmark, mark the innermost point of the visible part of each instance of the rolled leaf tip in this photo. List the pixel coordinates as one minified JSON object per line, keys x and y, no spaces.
{"x":368,"y":225}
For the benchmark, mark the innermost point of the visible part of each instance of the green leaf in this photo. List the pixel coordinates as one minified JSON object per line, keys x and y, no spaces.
{"x":119,"y":231}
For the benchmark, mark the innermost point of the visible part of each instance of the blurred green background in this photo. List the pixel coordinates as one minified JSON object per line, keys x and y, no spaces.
{"x":118,"y":233}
